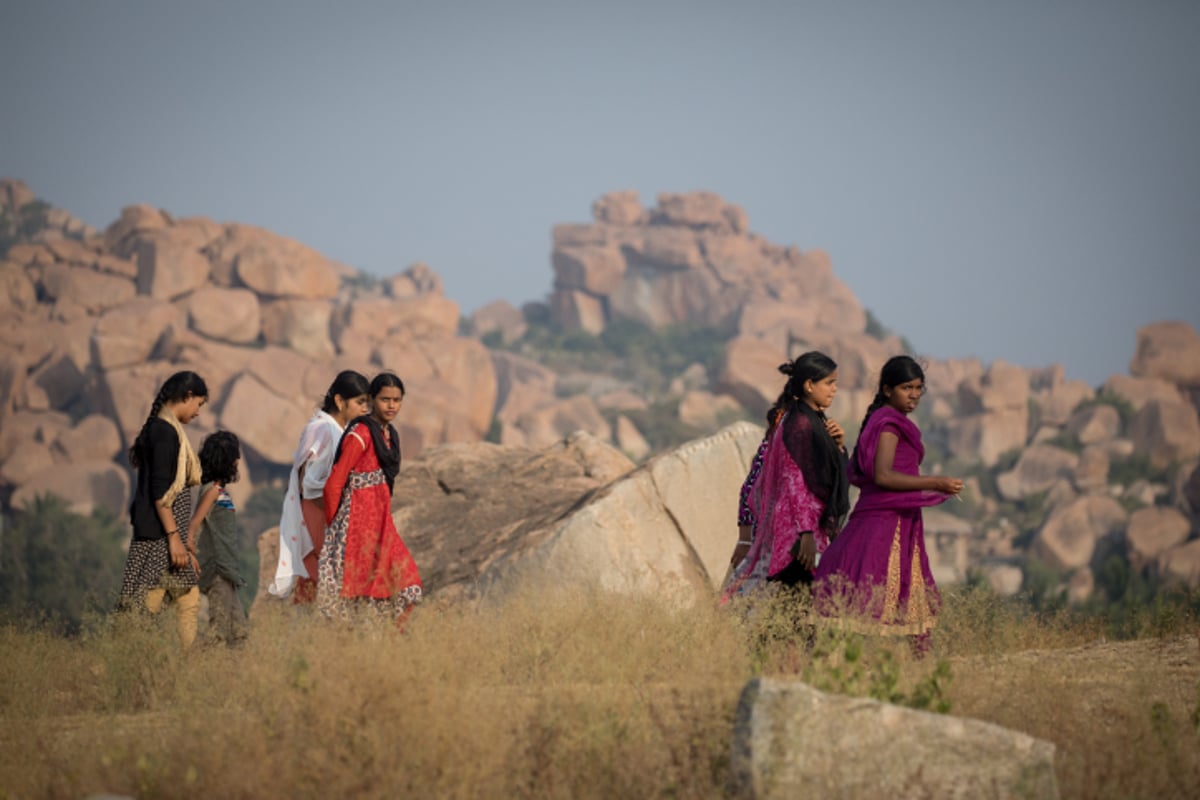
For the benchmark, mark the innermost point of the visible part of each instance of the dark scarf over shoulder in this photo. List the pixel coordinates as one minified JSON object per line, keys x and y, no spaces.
{"x":821,"y":461}
{"x":389,"y":457}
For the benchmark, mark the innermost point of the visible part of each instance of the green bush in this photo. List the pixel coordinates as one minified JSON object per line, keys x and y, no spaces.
{"x":60,"y":565}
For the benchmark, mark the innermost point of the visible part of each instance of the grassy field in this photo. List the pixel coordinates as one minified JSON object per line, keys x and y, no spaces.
{"x":562,"y":694}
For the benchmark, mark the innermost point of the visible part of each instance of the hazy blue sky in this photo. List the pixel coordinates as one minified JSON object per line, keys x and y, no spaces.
{"x":1014,"y":180}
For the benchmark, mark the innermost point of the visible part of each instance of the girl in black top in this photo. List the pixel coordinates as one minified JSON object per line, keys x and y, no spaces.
{"x":159,"y":566}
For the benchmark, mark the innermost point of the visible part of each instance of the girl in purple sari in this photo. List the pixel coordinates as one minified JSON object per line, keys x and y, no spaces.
{"x":796,"y":494}
{"x":877,"y":571}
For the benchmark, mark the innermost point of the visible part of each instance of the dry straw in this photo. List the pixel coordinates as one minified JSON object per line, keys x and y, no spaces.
{"x":558,"y":693}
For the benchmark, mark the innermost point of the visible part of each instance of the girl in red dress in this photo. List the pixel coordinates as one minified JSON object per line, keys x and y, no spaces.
{"x":365,"y":566}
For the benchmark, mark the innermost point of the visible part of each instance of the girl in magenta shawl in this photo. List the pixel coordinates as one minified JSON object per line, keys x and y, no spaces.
{"x":878,"y":568}
{"x":795,"y":497}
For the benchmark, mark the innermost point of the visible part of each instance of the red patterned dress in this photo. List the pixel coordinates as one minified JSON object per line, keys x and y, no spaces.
{"x":364,"y":566}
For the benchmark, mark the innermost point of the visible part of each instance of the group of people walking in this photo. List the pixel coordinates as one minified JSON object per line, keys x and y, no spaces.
{"x":339,"y":548}
{"x":869,"y":567}
{"x":340,"y":552}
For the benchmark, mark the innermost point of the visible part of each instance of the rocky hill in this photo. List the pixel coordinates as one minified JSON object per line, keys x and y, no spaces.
{"x":664,"y":324}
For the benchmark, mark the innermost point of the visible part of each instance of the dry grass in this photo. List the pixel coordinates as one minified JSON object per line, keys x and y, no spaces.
{"x":556,"y":694}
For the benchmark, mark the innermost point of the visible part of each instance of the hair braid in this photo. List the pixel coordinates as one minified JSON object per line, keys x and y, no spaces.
{"x":135,"y":450}
{"x":178,"y":387}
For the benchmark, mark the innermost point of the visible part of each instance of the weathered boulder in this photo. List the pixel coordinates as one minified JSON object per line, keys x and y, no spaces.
{"x":1069,"y":537}
{"x":418,"y":279}
{"x":1002,"y":387}
{"x":699,"y":210}
{"x":578,"y":311}
{"x":549,"y":423}
{"x":990,"y":435}
{"x":26,"y":459}
{"x":663,"y":528}
{"x":1168,"y":350}
{"x":522,"y":385}
{"x":16,"y":289}
{"x":947,"y":540}
{"x":56,"y":383}
{"x":85,"y":486}
{"x":619,"y":208}
{"x":299,"y":325}
{"x":94,"y":438}
{"x":1038,"y":469}
{"x":791,"y":740}
{"x":121,"y":237}
{"x":1139,"y":391}
{"x":1091,"y":474}
{"x":1181,"y":564}
{"x":273,"y":266}
{"x":1095,"y":424}
{"x":129,"y":334}
{"x":597,"y":269}
{"x":12,"y":378}
{"x":1060,"y":397}
{"x":749,"y":372}
{"x":94,"y":291}
{"x":227,"y":315}
{"x":265,"y":422}
{"x":705,"y":410}
{"x":1166,"y":432}
{"x":169,"y":266}
{"x":501,"y":318}
{"x":1153,"y":531}
{"x":629,"y":439}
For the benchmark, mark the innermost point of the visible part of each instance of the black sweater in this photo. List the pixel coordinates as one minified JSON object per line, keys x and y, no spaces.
{"x":160,"y":459}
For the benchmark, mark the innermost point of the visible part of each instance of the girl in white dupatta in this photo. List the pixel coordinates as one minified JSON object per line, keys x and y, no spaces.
{"x":302,"y":522}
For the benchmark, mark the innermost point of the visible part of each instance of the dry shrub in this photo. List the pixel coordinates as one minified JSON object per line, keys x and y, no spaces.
{"x":558,"y":693}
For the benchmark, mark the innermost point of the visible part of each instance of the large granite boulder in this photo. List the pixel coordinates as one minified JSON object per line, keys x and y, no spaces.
{"x":1166,"y":432}
{"x":1037,"y":470}
{"x":1069,"y":537}
{"x":85,"y":486}
{"x":1168,"y":350}
{"x":1153,"y":531}
{"x":1095,"y":424}
{"x":791,"y":740}
{"x":228,"y":315}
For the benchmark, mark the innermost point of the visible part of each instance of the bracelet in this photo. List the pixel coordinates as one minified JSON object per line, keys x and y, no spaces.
{"x":744,"y":541}
{"x":170,"y":533}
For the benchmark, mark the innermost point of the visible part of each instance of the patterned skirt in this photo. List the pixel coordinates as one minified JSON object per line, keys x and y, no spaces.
{"x":333,"y":601}
{"x":148,"y":565}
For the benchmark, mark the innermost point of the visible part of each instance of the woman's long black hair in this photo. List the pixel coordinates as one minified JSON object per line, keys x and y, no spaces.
{"x":897,"y":371}
{"x":175,"y":389}
{"x":813,"y":450}
{"x":388,"y":453}
{"x":348,"y":384}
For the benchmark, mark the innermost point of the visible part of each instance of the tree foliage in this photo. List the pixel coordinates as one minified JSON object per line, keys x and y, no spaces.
{"x":59,"y":564}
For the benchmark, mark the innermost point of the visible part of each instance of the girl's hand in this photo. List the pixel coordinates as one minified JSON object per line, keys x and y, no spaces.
{"x":835,"y":430}
{"x":179,"y":553}
{"x":949,"y":485}
{"x":194,"y":562}
{"x":806,"y":550}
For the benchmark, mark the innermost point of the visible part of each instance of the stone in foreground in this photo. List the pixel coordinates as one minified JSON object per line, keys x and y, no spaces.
{"x":791,"y":740}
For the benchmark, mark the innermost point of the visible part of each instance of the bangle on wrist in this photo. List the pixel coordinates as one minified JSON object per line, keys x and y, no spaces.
{"x":744,"y":541}
{"x":173,"y":533}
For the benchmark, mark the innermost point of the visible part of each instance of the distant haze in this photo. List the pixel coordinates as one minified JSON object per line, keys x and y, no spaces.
{"x":1003,"y":180}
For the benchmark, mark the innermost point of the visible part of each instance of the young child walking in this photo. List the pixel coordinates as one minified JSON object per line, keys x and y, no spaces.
{"x":213,"y":534}
{"x":158,"y":567}
{"x":365,"y":566}
{"x":302,"y":520}
{"x":876,"y":575}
